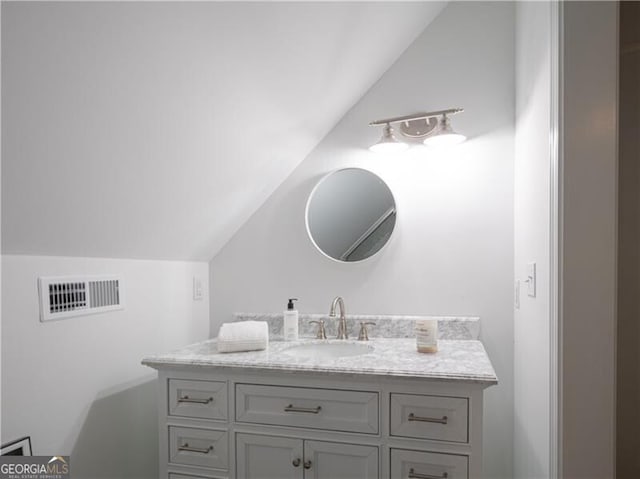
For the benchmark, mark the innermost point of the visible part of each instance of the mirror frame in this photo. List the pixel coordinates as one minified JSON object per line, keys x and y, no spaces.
{"x":306,"y":216}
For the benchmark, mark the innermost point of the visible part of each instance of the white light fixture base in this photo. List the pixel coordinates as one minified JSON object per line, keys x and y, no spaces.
{"x":431,"y":128}
{"x":418,"y":128}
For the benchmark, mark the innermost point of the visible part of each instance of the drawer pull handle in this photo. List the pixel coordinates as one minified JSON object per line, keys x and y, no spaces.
{"x":296,"y":462}
{"x":307,"y":464}
{"x":195,"y":401}
{"x":310,"y":410}
{"x":443,"y":420}
{"x":187,"y":448}
{"x":417,"y":475}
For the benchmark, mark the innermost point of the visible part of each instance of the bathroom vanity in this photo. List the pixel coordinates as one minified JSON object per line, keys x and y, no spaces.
{"x":323,"y":410}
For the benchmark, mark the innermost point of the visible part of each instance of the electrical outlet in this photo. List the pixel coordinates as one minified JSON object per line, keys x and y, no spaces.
{"x":531,"y":279}
{"x":198,"y":293}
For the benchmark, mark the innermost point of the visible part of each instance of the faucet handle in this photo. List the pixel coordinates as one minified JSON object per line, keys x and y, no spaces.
{"x":364,"y":333}
{"x":321,"y":334}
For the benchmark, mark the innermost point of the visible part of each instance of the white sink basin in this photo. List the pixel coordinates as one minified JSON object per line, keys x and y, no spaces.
{"x":328,"y":350}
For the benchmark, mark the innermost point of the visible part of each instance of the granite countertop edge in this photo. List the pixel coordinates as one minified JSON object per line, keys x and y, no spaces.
{"x":456,"y":360}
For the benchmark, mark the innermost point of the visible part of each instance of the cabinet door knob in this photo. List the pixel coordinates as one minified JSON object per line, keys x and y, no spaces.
{"x":307,"y":464}
{"x":296,"y":462}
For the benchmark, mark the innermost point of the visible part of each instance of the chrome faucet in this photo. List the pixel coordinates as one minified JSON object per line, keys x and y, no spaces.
{"x":342,"y":322}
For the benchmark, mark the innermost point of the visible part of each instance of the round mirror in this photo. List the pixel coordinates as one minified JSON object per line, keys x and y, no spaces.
{"x":350,"y":214}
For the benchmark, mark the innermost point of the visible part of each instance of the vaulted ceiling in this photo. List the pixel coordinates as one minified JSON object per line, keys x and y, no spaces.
{"x":155,"y":130}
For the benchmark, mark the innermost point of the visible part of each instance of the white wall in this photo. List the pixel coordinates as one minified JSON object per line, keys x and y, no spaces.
{"x":193,"y":112}
{"x":588,"y":254}
{"x":0,"y":220}
{"x":628,"y":359}
{"x":76,"y":386}
{"x":452,"y":251}
{"x":532,"y":219}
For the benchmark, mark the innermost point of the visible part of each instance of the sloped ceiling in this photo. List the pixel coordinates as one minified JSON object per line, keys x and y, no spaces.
{"x":155,"y":130}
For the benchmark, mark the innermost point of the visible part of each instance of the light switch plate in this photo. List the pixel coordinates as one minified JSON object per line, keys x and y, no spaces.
{"x":198,"y":293}
{"x":531,"y":279}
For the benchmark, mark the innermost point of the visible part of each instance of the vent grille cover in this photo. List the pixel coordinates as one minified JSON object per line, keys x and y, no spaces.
{"x":68,"y":296}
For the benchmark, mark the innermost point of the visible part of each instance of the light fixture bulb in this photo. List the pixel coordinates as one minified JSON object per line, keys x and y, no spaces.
{"x":444,"y":136}
{"x":388,"y":142}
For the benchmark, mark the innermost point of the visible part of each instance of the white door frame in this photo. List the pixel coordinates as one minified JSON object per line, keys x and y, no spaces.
{"x":583,"y":141}
{"x":555,"y":280}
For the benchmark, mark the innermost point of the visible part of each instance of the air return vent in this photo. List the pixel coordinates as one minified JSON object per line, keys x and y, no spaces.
{"x":67,"y":296}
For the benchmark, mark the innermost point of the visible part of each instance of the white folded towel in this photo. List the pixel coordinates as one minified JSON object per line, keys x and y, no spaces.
{"x":243,"y":336}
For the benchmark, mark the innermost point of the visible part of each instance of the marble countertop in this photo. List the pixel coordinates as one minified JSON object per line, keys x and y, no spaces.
{"x":456,"y":360}
{"x":385,"y":326}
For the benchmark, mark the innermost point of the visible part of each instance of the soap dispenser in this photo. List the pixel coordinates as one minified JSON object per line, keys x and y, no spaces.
{"x":291,"y":321}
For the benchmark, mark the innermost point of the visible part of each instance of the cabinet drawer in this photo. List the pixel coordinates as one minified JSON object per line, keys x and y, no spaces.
{"x":332,"y":409}
{"x":428,"y":465}
{"x":430,"y":417}
{"x":201,"y":399}
{"x":198,"y":447}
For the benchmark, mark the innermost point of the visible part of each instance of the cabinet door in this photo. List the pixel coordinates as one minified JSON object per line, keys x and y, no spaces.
{"x":268,"y":457}
{"x":329,"y":460}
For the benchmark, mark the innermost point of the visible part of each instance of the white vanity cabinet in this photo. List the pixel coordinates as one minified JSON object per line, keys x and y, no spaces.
{"x":237,"y":422}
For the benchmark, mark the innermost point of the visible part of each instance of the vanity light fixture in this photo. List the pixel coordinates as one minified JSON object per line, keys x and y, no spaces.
{"x":388,"y":142}
{"x":432,"y":128}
